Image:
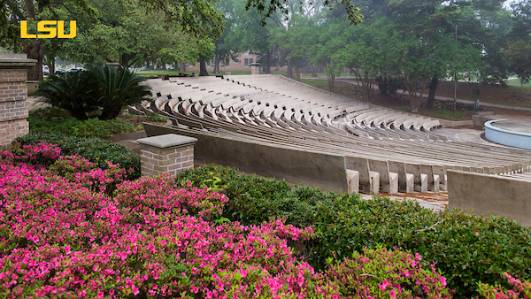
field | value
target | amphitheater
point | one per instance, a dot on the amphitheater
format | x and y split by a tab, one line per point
307	134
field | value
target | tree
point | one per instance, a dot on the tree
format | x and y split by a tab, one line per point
267	9
229	43
198	18
375	54
329	50
518	49
257	37
32	11
297	41
131	34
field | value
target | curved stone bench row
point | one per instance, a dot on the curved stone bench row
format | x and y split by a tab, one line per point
387	118
277	117
397	159
273	82
293	87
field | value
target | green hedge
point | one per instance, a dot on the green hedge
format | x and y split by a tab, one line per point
468	249
94	149
58	121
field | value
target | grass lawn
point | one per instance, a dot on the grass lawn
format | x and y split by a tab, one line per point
518	83
441	113
158	73
449	114
237	72
319	83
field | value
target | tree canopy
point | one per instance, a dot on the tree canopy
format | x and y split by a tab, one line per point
149	30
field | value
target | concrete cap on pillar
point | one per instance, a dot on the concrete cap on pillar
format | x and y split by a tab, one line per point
168	140
12	60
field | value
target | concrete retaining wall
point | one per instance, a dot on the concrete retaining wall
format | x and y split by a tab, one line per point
490	195
301	167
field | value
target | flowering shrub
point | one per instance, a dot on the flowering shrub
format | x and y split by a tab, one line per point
161	195
380	273
68	166
63	235
41	154
78	169
520	289
94	149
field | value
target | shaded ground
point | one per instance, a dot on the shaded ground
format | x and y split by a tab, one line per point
510	95
398	102
519	97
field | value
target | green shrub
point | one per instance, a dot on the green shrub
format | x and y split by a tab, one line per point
101	89
468	249
57	121
118	87
72	91
96	150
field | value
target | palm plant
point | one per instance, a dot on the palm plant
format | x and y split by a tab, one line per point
104	89
118	87
72	91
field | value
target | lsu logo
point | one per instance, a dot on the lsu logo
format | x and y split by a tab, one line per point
49	29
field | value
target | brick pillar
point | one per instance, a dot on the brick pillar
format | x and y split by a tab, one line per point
169	153
13	93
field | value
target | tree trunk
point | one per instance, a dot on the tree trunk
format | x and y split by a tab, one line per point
34	51
297	72
110	113
433	90
202	67
124	60
331	82
383	85
217	62
79	114
290	69
368	89
267	63
51	65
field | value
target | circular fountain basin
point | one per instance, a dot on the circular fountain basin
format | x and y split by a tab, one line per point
509	132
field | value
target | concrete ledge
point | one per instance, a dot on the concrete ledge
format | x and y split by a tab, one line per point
490	195
300	167
167	140
14	61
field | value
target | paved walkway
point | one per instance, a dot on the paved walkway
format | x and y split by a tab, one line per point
35	103
129	140
437	202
